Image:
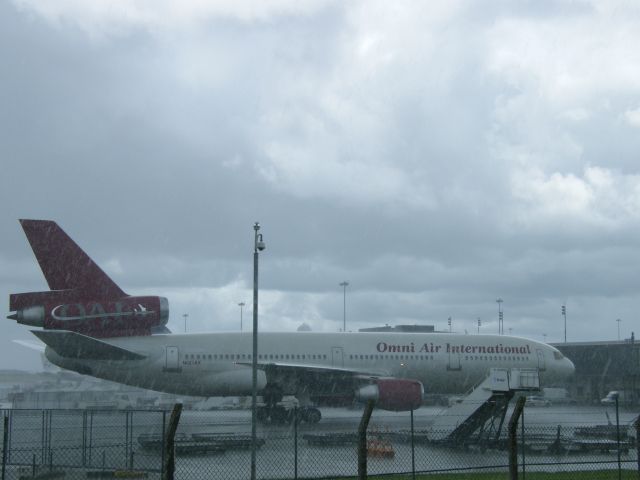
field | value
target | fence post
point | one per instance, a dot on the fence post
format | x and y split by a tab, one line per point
164	431
126	437
5	437
169	465
43	440
638	443
618	439
524	457
513	439
295	443
413	451
84	438
9	435
362	440
90	436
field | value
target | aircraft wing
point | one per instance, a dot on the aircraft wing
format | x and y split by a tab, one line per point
321	382
75	345
317	369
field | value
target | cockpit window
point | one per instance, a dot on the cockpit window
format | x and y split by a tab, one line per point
557	355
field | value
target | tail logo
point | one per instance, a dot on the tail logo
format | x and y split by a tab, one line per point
77	311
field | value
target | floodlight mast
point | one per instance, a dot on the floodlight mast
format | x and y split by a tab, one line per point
258	246
241	304
344	286
500	316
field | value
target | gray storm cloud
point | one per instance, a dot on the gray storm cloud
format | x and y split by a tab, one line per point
435	155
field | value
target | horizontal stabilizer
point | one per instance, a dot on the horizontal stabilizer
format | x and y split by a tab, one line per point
75	345
30	344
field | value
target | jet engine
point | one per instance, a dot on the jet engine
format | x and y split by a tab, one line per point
393	394
97	318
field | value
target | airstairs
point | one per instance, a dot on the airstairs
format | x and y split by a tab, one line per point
479	417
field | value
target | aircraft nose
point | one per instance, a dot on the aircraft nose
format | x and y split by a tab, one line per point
569	367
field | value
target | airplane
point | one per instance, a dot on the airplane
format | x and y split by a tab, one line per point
91	326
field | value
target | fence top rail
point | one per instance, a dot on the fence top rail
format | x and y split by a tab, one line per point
101	410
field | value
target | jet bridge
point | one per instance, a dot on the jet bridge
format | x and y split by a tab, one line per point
479	417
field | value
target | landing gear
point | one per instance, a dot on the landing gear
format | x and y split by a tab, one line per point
262	414
271	395
279	415
311	414
277	412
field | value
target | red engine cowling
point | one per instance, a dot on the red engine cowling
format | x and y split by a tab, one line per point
394	394
127	316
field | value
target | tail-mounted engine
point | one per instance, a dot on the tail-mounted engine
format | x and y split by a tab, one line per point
126	316
82	297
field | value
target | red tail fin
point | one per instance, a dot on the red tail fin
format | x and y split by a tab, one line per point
64	264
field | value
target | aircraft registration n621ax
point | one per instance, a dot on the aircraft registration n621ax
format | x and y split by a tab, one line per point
91	326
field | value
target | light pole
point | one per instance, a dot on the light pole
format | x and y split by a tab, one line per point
185	315
258	245
344	286
241	304
618	320
564	314
500	317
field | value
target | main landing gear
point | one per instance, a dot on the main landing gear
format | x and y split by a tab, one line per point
281	415
275	412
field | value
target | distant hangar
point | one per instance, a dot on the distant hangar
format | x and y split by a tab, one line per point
602	367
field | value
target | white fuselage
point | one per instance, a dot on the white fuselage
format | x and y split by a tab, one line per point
219	364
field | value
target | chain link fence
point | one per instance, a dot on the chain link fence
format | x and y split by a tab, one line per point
217	444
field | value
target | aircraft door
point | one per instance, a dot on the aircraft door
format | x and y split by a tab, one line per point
172	360
337	357
454	361
541	362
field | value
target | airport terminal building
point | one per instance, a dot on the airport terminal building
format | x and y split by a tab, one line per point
602	367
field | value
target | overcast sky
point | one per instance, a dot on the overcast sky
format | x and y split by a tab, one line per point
436	155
